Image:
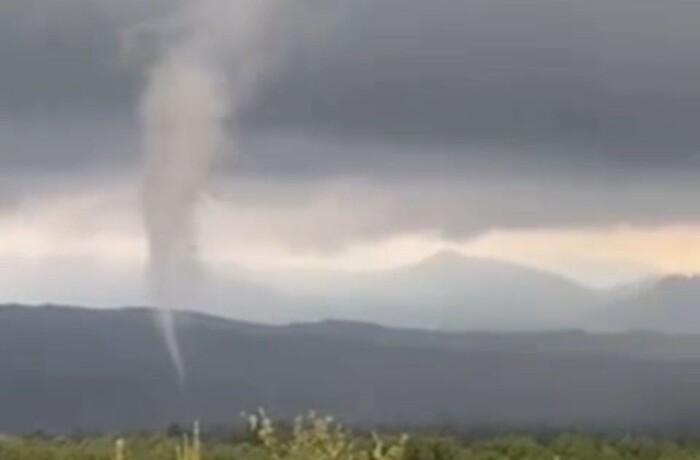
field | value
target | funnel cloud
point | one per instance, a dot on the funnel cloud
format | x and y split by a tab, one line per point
206	72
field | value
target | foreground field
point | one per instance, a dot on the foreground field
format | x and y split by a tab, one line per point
316	438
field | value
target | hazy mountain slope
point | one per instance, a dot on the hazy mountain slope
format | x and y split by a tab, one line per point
671	305
65	369
485	294
627	291
447	291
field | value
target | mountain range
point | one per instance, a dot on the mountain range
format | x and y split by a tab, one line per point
67	369
450	340
445	291
449	291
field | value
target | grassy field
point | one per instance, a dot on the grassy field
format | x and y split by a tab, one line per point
317	438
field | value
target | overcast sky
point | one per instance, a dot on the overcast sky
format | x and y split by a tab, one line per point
557	133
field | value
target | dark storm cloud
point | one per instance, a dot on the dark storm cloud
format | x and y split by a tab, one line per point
572	112
612	83
59	58
603	84
67	97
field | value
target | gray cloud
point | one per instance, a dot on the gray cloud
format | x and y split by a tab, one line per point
612	81
453	70
332	215
571	112
606	82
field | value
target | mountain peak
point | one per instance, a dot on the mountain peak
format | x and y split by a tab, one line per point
450	261
445	257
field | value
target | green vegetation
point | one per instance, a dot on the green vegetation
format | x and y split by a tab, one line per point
320	438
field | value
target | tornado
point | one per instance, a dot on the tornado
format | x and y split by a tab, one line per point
214	55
